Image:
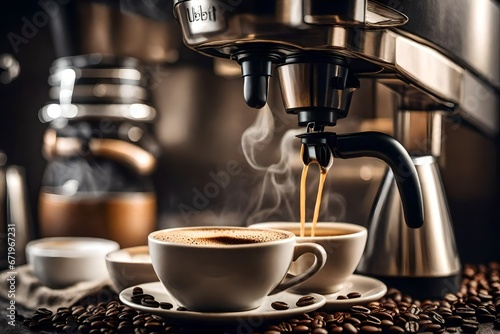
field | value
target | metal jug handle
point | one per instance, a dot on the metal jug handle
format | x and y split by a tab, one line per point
388	149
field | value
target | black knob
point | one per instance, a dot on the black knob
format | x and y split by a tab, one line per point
256	68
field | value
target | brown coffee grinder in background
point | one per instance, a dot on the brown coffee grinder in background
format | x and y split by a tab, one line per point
100	151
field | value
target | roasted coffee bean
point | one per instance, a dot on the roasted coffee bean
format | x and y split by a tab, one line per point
395	330
437	319
166	305
342	297
125	316
412	327
137	290
424	322
432	328
360	309
139	323
469	327
150	303
414	310
43	311
373	320
359	316
304	322
318	323
299	329
336	318
474	300
285	327
374	305
305	301
98	324
400	321
444	311
334	329
389	305
137	298
410	317
349	328
453	321
429	308
482	310
319	331
450	298
125	328
181	308
272	331
386	323
465	312
153	326
483	318
382	315
279	305
352	295
485	297
352	320
63	310
370	330
112	312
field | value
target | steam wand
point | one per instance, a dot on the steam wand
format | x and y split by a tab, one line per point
320	146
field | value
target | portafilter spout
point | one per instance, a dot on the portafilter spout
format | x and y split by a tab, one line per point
321	145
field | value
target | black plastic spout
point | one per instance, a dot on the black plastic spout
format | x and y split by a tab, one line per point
256	69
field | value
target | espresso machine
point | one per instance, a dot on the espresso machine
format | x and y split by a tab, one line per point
320	50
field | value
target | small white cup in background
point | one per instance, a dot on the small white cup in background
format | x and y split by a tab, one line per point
344	244
63	261
129	267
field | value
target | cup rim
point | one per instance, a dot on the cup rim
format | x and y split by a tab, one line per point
98	246
357	230
112	256
290	236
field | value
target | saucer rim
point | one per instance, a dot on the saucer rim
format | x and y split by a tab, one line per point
221	316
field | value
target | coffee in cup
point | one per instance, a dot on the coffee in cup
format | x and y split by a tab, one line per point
344	244
225	269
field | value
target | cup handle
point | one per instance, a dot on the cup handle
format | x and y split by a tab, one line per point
319	261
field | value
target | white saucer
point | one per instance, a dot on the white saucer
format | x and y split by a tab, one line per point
370	289
263	313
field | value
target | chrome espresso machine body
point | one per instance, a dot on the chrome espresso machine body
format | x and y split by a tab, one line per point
438	58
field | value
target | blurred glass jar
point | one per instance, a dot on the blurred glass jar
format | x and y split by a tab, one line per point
100	151
97	183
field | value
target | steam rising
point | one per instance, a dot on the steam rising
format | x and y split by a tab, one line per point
278	189
276	194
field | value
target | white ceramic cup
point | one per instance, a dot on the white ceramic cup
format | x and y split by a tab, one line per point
59	262
221	272
344	244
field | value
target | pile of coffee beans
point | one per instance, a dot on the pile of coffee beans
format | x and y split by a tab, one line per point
475	306
112	317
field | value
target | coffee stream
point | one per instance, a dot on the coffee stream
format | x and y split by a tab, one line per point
317	206
271	200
